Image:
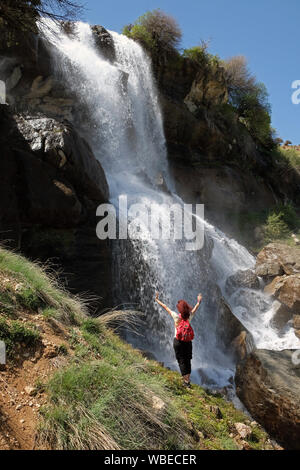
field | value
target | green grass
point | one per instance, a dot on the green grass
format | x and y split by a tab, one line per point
7	304
49	313
114	394
90	325
29	299
15	332
38	288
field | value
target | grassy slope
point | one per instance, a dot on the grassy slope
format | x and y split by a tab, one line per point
107	395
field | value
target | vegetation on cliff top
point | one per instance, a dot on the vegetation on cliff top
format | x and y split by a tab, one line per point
160	34
250	99
156	31
106	395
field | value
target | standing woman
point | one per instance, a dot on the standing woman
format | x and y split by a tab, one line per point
184	335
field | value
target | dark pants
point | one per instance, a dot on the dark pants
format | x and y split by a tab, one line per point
183	351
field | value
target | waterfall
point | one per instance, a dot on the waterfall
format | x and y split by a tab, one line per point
124	125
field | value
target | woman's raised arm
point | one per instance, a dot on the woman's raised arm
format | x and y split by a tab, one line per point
167	309
199	299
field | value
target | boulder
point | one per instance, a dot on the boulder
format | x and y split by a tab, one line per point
281	315
268	383
242	345
280	264
234	336
287	290
104	42
62	147
158	404
277	259
31	391
243	430
242	278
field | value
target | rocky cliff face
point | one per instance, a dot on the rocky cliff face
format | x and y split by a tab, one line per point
51	183
212	155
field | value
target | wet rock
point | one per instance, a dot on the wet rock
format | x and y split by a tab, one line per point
296	324
282	314
287	290
235	337
246	278
281	264
268	383
242	345
104	42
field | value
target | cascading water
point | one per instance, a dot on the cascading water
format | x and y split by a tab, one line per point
125	128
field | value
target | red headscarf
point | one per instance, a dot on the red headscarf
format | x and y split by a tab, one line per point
184	309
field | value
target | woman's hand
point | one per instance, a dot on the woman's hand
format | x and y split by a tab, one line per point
199	298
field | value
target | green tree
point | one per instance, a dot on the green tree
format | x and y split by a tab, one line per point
155	29
250	99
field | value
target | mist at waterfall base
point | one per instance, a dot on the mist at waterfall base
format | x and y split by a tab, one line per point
121	118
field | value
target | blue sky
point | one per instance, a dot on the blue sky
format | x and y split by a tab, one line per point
267	32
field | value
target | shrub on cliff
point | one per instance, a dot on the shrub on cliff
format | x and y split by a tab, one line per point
200	55
280	222
155	30
238	76
250	99
275	228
